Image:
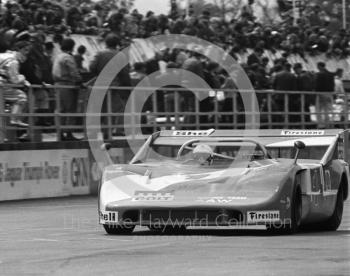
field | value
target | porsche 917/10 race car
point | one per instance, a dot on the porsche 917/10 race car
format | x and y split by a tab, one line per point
283	179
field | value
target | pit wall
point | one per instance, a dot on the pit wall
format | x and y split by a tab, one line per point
41	170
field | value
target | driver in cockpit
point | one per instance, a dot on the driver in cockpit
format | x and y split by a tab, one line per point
203	153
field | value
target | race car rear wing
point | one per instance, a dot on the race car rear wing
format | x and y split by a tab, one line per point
253	133
267	136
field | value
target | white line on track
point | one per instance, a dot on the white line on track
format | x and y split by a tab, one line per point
47	240
35	229
25	240
108	239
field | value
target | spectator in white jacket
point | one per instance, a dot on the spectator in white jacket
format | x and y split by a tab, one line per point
9	75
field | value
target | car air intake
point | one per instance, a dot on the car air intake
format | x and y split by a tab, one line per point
191	215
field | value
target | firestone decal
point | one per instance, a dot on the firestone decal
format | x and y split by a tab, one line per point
263	216
302	132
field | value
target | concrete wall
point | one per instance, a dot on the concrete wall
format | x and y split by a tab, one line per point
39	170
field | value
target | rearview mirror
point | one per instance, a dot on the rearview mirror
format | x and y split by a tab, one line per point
299	145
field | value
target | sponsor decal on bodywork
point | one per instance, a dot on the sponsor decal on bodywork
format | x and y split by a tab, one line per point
153	196
220	199
108	217
302	132
263	216
193	132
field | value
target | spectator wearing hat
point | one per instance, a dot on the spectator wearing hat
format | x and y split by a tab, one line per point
66	73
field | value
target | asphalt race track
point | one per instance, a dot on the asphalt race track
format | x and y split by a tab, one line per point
62	237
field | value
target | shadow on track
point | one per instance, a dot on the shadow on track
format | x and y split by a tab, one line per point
236	232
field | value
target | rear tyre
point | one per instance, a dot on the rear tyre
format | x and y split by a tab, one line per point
296	213
118	229
334	221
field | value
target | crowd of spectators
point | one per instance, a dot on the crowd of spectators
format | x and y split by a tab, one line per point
311	34
29	20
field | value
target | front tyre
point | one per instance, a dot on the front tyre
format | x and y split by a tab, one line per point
334	221
118	229
295	221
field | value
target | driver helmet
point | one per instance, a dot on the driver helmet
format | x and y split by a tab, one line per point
203	153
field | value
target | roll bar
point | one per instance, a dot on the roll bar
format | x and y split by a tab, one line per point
239	140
